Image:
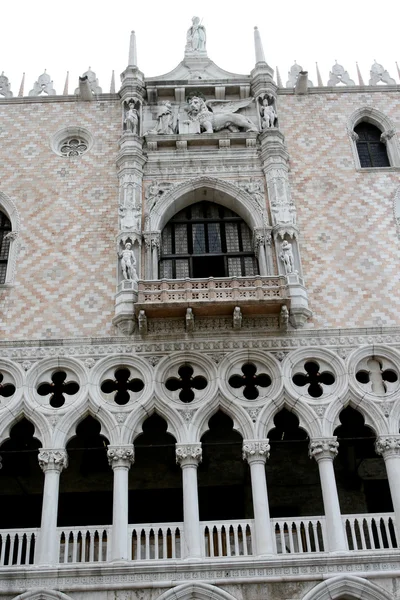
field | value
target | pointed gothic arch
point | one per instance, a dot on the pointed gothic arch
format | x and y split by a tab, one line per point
195	591
347	586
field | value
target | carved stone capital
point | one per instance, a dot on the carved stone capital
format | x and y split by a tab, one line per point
53	459
11	235
255	450
320	448
388	445
188	454
387	135
121	456
354	136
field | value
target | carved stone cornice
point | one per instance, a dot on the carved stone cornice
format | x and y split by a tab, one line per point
188	454
320	448
53	459
121	456
255	450
388	445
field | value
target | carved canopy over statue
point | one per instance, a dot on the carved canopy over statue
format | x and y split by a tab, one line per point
215	115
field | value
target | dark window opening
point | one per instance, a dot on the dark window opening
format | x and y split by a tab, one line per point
371	151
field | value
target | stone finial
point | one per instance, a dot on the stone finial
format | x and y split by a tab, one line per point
21	87
319	78
360	79
92	81
112	85
65	92
293	76
258	47
339	75
378	73
5	90
43	86
278	78
132	59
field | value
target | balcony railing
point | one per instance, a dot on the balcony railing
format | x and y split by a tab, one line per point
266	293
235	538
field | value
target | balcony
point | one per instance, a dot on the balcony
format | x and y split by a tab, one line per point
221	539
212	296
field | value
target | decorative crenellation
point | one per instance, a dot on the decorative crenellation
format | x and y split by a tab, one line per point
388	445
121	456
255	450
323	448
53	459
188	454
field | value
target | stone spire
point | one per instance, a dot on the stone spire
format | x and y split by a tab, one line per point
360	79
398	70
65	93
278	78
319	78
21	87
112	85
260	57
132	61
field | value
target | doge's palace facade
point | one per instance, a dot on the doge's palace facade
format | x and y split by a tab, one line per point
199	293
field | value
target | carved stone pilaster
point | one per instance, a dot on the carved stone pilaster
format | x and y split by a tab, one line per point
121	456
53	459
188	454
255	450
388	445
320	448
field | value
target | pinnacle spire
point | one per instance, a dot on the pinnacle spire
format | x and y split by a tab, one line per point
319	78
360	79
65	93
112	85
21	87
398	70
278	78
258	46
132	61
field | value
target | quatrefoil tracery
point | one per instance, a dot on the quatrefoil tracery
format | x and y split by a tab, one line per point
313	379
122	385
57	388
377	376
186	383
250	381
6	389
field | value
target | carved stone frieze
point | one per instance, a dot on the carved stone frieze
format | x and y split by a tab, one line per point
388	445
323	448
187	414
188	454
255	450
121	456
53	459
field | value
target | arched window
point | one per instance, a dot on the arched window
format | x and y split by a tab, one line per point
206	240
371	151
5	228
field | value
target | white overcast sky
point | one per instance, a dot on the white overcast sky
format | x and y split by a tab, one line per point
72	35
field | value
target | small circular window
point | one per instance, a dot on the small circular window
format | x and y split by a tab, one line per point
71	141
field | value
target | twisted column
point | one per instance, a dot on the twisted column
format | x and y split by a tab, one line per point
324	450
52	461
256	453
388	446
120	458
189	456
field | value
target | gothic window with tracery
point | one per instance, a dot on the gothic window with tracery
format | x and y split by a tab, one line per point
371	151
206	240
5	228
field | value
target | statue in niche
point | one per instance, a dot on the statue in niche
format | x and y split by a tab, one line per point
165	120
128	263
196	36
219	114
286	256
268	113
132	118
130	213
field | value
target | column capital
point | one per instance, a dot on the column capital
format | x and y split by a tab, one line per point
188	454
388	445
121	456
255	450
320	448
53	459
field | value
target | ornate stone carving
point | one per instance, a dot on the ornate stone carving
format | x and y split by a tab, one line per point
142	322
154	192
5	90
216	115
253	412
378	73
283	209
43	86
284	318
387	135
388	445
93	82
293	76
187	414
52	458
339	75
130	203
189	320
255	450
268	112
165	120
323	448
237	318
131	120
286	256
120	456
128	262
188	454
354	136
196	37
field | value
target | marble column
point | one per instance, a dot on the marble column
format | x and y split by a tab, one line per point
324	451
389	447
256	453
120	459
189	456
52	462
